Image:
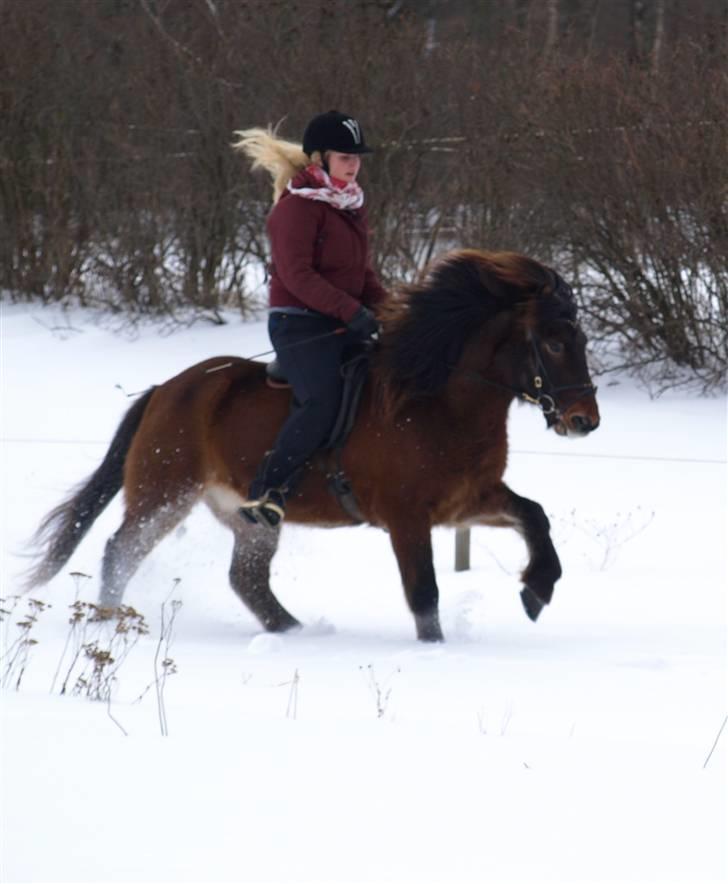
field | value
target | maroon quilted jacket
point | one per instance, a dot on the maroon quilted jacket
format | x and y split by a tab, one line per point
320	257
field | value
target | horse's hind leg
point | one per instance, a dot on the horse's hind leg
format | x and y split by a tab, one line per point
140	532
254	549
543	568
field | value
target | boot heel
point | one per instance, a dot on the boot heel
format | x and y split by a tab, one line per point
271	514
249	514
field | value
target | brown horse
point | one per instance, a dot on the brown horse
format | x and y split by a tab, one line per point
428	447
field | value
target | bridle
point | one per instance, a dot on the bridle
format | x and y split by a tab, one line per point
546	390
546	394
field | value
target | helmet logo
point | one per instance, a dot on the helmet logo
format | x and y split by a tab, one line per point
353	127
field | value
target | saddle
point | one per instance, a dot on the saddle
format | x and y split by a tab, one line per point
354	372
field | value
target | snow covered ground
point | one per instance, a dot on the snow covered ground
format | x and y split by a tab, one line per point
572	750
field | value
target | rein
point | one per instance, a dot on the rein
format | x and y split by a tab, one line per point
546	391
336	331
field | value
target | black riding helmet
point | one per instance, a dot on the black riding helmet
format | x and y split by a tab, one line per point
334	131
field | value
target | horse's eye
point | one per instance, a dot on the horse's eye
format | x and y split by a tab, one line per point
555	347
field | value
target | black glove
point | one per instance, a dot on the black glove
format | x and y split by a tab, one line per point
364	324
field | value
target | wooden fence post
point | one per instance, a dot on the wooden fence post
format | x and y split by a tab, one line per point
462	549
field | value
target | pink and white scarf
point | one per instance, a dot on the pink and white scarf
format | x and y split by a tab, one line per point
350	196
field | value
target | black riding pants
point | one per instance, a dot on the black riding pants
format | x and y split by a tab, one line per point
311	358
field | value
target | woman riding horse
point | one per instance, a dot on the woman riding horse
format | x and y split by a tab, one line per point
321	283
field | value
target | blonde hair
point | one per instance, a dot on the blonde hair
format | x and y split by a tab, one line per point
280	158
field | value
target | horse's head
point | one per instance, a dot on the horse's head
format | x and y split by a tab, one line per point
501	320
553	371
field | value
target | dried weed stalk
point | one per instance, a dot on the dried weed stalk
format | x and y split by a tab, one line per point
100	640
16	653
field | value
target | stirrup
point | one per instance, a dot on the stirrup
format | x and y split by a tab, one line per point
264	511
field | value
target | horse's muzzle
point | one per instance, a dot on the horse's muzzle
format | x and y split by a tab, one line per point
577	422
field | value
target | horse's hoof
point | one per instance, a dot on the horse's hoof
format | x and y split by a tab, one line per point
532	604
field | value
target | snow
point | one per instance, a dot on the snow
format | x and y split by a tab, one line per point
571	750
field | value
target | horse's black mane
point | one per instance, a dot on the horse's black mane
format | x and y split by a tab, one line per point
429	323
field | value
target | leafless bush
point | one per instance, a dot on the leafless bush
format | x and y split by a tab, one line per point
594	139
641	194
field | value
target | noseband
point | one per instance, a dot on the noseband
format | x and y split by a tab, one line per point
546	391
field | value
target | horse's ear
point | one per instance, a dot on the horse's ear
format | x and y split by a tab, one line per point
557	286
565	297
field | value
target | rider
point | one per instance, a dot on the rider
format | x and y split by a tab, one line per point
321	292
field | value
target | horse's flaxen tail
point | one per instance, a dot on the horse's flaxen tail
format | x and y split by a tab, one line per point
65	527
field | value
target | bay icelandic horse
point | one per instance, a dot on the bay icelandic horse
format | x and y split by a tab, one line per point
428	446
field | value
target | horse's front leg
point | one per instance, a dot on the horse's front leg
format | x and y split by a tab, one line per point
413	548
543	568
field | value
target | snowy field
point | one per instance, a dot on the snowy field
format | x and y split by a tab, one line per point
571	750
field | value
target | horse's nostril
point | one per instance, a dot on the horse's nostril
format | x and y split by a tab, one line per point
581	423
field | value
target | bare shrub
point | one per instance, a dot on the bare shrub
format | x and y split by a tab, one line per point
589	135
640	188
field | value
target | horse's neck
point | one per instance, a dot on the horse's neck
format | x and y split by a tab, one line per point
476	404
474	415
481	387
476	392
463	424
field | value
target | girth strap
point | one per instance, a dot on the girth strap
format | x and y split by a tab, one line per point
340	486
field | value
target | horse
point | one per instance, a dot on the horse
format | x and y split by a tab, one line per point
428	446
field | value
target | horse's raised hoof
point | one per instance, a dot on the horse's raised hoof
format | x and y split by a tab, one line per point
428	628
532	604
292	626
282	624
